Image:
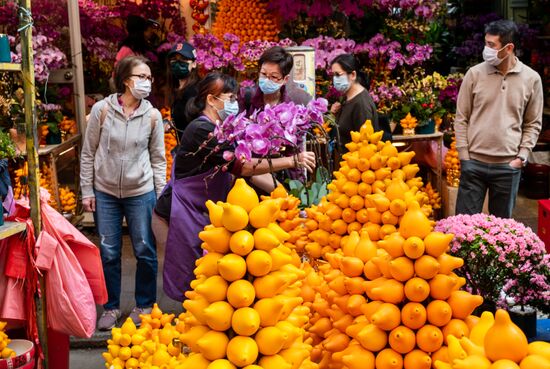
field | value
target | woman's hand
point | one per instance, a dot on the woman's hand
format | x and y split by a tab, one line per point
89	204
335	108
306	159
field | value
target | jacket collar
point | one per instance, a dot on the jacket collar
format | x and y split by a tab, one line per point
143	107
516	69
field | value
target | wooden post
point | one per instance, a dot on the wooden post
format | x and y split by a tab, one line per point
27	68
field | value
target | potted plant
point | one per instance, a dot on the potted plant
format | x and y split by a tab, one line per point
504	261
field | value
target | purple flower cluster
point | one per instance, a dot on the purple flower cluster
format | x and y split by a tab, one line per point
291	9
420	8
252	50
328	48
380	47
213	53
266	132
503	258
384	92
46	57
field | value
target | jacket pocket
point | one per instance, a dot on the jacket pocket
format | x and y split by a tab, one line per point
136	173
105	171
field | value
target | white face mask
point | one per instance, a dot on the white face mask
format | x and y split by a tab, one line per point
491	56
141	89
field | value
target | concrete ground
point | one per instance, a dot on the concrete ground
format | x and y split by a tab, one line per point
86	354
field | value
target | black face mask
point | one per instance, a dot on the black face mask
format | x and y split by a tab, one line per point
180	70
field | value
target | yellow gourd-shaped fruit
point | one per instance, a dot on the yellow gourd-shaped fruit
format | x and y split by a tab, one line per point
398	207
414	222
215	212
191	337
269	310
196	307
439	313
351	266
279	258
242	351
402	269
274	362
417	289
359	359
413	315
213	345
417	359
295	356
271	284
264	213
504	364
455	350
539	348
402	339
213	289
457	328
470	362
241	293
208	264
289	304
365	249
259	263
280	233
471	348
405	157
241	243
234	218
390	291
216	239
478	332
534	361
463	303
413	247
243	195
372	338
232	267
504	340
270	340
389	359
441	286
161	357
336	342
387	317
448	263
429	338
245	321
265	239
426	267
221	364
396	190
128	327
218	315
393	245
437	243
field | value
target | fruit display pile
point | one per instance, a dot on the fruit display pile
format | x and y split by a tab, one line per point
248	19
47	183
434	198
68	125
452	165
68	199
5	351
362	282
170	143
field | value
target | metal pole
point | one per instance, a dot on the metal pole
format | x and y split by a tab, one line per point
27	68
77	64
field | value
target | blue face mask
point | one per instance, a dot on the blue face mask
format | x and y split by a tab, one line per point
229	108
341	83
268	86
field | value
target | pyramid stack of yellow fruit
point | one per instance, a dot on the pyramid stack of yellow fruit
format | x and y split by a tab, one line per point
244	309
434	198
151	346
371	190
495	343
170	143
390	304
248	19
68	199
5	351
452	165
46	183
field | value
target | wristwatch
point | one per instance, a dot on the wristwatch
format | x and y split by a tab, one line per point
523	160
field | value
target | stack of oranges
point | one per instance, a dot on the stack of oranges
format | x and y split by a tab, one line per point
408	123
248	19
170	143
46	183
434	198
67	197
452	165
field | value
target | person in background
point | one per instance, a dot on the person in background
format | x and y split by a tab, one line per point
141	33
180	213
183	78
122	171
274	85
498	120
358	105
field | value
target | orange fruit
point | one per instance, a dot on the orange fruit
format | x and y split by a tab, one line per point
402	339
429	338
389	359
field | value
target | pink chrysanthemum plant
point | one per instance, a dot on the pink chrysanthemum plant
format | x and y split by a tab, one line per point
504	261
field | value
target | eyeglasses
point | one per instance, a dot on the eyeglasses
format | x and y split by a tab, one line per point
143	77
231	99
271	77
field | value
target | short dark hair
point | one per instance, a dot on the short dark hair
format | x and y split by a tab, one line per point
214	83
279	56
349	63
506	30
124	68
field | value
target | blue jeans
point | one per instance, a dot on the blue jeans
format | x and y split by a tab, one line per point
477	177
138	211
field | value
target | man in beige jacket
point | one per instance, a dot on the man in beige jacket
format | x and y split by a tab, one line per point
498	120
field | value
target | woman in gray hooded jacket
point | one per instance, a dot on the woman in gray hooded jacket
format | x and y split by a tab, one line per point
123	170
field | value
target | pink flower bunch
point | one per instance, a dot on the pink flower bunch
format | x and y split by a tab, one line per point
503	259
252	50
291	9
420	8
46	57
267	132
328	48
213	53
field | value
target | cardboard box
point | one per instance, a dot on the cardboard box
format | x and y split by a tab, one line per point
544	223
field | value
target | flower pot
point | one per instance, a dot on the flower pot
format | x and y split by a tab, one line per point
5	54
526	320
426	128
408	131
53	138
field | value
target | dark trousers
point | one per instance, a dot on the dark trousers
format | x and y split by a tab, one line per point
477	177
